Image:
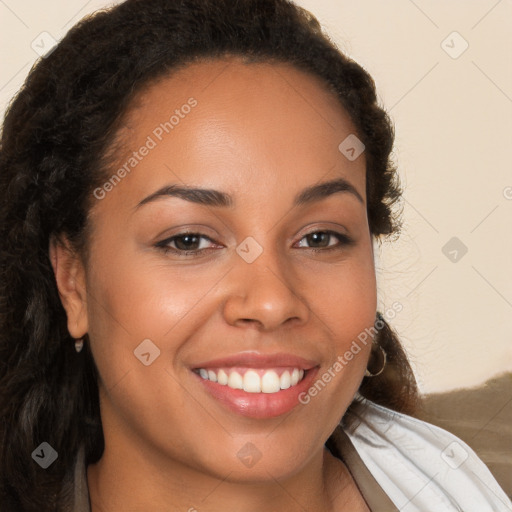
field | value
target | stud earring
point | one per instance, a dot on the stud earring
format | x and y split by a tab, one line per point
79	344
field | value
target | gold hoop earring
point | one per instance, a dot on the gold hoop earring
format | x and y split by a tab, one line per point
367	373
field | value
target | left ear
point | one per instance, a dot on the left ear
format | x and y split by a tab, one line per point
70	278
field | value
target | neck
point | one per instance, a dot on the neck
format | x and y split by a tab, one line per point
130	480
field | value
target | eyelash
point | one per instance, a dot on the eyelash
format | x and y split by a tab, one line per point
343	241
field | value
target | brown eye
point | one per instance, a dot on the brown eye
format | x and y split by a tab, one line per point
184	244
320	240
320	237
187	242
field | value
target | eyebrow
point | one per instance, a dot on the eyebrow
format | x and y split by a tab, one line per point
211	197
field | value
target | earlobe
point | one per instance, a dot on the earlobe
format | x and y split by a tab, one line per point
70	279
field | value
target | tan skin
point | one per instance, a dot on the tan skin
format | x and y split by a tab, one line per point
262	133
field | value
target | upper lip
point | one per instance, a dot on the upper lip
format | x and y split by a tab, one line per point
259	360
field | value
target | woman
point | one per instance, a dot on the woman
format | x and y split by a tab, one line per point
191	193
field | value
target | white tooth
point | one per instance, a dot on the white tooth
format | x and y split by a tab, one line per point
295	376
285	380
212	375
301	374
235	381
252	382
203	373
222	377
270	382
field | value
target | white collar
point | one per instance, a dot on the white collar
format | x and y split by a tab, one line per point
421	467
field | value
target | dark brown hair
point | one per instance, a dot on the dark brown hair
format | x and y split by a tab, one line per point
53	155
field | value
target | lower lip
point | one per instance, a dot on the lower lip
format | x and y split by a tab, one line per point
259	405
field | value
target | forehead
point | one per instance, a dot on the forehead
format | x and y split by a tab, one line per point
232	76
235	126
229	88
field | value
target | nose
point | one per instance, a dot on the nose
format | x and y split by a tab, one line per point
264	294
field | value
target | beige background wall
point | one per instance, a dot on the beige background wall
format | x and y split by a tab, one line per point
453	115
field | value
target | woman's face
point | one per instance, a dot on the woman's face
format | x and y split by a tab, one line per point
261	295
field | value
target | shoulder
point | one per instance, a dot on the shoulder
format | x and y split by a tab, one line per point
421	466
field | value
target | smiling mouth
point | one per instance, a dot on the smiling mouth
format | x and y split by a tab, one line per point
254	380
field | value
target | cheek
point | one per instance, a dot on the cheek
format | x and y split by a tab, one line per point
140	294
344	295
344	298
132	299
352	306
